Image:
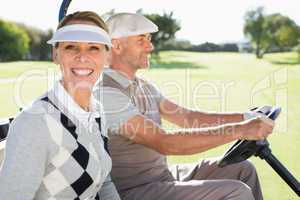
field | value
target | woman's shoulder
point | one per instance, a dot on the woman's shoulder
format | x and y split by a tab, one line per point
31	118
32	115
36	109
28	126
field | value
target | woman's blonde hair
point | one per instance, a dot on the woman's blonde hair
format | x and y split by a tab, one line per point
84	16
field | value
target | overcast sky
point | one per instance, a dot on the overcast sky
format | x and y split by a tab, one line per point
213	21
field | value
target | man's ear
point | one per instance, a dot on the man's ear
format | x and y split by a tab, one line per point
116	46
54	55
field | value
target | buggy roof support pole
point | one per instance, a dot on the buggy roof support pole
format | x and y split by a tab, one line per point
63	9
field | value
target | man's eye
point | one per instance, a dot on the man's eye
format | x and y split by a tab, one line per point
94	48
140	41
70	47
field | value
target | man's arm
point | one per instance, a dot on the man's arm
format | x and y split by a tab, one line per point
189	141
124	118
188	118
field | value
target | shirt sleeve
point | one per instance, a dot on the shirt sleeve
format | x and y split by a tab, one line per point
108	190
118	108
25	158
157	95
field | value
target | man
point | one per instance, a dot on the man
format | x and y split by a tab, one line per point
139	145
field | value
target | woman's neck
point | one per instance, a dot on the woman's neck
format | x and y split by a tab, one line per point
81	95
82	98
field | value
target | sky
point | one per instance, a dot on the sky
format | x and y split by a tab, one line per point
201	20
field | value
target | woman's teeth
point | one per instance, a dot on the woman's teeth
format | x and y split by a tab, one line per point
82	72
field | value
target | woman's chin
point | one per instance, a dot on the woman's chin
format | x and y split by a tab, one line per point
80	85
85	84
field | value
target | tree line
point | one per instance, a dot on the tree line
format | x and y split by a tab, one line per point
266	33
21	42
271	33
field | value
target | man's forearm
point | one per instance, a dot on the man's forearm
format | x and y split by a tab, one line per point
191	141
196	119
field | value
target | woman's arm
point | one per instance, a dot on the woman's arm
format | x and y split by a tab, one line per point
25	158
108	190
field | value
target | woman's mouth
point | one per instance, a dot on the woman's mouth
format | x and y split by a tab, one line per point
82	72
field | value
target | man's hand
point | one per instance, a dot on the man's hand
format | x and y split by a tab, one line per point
256	129
256	112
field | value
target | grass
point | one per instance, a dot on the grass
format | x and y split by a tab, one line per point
211	82
14	69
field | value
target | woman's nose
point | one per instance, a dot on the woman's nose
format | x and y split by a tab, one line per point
82	56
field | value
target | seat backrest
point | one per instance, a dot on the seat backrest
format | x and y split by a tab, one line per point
2	147
4	125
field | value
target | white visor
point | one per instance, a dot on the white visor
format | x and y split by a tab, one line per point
81	33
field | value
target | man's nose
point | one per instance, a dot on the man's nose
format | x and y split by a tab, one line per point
149	46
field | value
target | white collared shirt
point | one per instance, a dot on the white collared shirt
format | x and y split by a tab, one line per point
86	118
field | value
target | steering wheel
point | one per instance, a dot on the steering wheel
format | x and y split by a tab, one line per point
243	149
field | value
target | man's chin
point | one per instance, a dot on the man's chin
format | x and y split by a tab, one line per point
145	66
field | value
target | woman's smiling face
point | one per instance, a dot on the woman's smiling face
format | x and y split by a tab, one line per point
81	63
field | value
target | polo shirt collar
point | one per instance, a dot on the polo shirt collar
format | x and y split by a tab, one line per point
118	77
68	102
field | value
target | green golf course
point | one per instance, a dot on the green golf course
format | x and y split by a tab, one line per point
221	82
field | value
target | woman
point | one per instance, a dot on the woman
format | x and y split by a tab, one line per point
54	149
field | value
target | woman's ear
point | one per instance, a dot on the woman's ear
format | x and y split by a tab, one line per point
54	55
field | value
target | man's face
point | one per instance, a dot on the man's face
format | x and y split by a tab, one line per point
136	51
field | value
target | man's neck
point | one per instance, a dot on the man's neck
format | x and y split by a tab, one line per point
126	71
